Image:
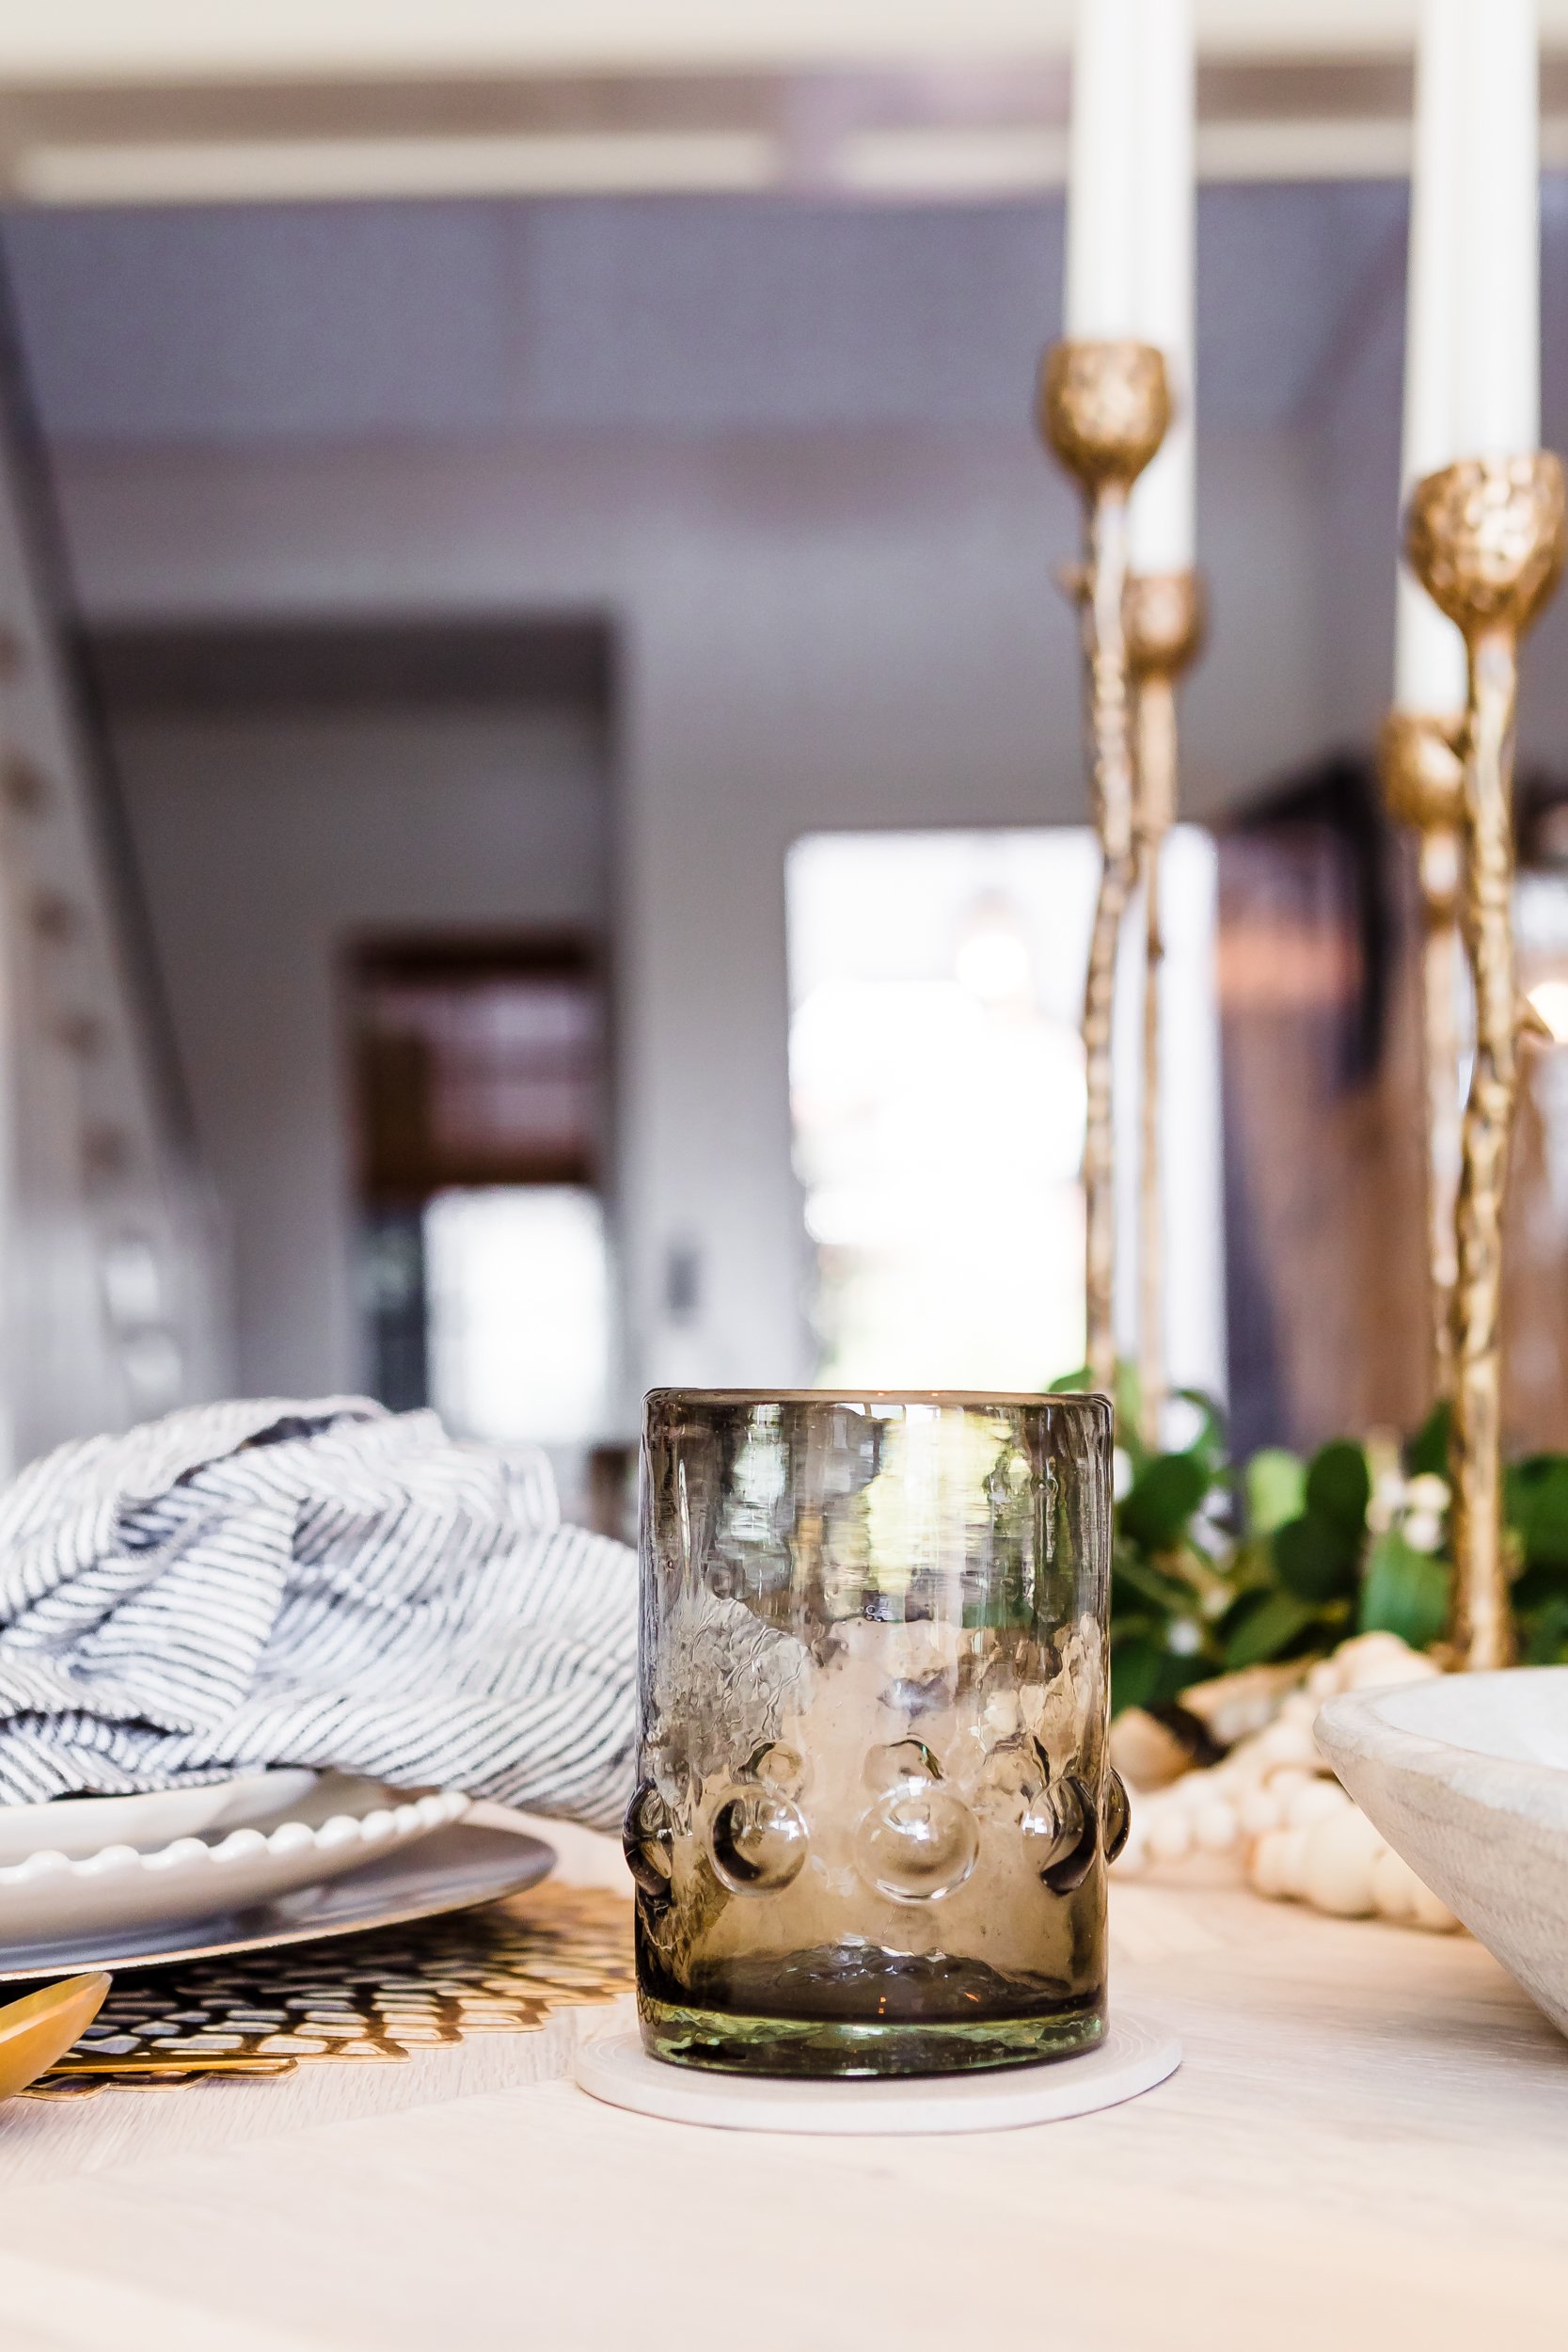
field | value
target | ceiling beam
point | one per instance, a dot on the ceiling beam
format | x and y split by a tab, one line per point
179	102
99	43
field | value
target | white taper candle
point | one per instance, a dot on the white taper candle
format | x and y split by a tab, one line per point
1428	652
1162	523
1102	274
1498	348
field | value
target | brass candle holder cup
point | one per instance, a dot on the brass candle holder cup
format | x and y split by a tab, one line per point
1487	538
874	1808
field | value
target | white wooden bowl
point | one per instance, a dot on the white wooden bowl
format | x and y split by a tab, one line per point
1467	1778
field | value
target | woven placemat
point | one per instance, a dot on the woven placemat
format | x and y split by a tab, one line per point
364	1999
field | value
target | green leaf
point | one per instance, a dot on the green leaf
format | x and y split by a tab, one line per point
1428	1452
1157	1505
1263	1626
1143	1673
1339	1486
1251	1564
1209	1444
1276	1488
1406	1592
1071	1383
1536	1507
1537	1588
1313	1559
1546	1633
1138	1586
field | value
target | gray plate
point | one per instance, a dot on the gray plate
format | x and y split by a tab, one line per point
450	1871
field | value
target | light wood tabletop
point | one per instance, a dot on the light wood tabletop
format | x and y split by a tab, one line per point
1367	2144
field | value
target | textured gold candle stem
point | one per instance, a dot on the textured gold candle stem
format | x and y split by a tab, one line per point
1486	539
1104	410
1111	772
1165	625
1483	1630
1439	886
1423	779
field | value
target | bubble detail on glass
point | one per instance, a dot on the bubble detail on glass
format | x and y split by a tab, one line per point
919	1841
1063	1831
778	1766
1118	1813
1012	1778
757	1840
648	1842
900	1761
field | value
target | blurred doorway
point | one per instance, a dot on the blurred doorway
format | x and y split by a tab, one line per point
479	1082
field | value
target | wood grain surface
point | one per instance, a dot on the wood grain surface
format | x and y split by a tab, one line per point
1367	2144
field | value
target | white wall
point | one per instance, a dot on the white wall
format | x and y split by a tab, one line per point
817	629
109	1272
267	844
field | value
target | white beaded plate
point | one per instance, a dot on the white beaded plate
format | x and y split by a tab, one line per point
51	1897
79	1826
1136	2054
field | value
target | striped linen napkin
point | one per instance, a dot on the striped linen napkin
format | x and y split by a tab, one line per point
315	1583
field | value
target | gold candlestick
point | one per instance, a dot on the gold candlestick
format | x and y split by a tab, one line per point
1423	781
1486	539
1103	408
1164	621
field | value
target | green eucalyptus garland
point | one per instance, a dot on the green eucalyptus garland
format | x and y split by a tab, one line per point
1219	1565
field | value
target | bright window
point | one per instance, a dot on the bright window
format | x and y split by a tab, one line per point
937	1088
517	1301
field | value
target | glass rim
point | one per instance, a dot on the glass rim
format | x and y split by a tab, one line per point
828	1397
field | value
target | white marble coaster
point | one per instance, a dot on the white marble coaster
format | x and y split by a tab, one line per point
1136	2054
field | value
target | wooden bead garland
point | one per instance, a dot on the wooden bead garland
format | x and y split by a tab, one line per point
1275	1804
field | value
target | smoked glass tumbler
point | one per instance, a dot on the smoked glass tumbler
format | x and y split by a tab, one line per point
874	1808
